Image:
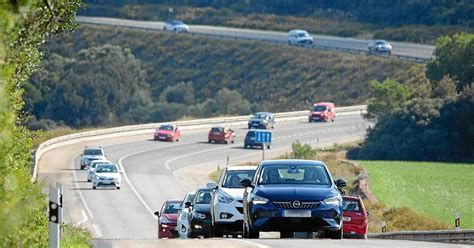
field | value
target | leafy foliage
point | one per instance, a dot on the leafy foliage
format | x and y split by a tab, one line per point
199	77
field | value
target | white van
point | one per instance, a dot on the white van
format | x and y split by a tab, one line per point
299	37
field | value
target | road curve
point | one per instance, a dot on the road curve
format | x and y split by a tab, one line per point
156	171
403	49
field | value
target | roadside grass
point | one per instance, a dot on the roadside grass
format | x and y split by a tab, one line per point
437	190
75	237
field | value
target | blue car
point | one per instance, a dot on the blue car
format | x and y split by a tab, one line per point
290	196
250	141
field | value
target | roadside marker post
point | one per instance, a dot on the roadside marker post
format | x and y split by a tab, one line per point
54	216
384	226
457	222
60	210
263	137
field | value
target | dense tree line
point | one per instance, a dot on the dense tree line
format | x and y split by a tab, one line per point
145	77
428	12
434	121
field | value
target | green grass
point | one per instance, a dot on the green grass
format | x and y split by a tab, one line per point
75	237
438	190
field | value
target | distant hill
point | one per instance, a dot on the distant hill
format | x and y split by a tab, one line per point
184	74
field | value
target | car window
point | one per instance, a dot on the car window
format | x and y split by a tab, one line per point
94	164
259	116
203	197
295	174
172	208
168	128
320	108
302	34
217	130
233	177
93	152
107	168
177	22
351	205
251	134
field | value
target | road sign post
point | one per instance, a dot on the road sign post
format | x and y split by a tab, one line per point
265	138
54	206
60	209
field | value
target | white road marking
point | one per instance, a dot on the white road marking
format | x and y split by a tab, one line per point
167	163
80	191
84	219
97	231
253	243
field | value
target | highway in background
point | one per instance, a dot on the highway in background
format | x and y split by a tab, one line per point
402	50
156	171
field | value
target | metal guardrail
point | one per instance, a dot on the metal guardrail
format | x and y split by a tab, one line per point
189	124
255	38
451	236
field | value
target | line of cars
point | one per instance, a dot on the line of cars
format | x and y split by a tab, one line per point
285	196
100	171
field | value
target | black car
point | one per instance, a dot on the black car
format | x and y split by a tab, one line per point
250	141
262	120
200	214
290	196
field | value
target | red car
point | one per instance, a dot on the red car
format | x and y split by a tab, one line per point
354	217
221	134
168	132
322	111
167	219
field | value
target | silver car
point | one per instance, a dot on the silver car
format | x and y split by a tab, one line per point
380	46
176	26
106	175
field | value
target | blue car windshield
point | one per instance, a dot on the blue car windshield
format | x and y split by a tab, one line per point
295	174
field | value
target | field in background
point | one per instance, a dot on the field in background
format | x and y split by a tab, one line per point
438	190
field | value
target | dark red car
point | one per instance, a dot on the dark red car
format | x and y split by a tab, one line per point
168	132
221	134
322	111
167	219
354	217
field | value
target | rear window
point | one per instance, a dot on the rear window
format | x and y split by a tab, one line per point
217	130
351	205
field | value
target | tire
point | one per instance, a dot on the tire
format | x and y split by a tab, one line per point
249	233
269	147
118	188
286	235
232	142
94	187
334	234
88	180
216	233
310	120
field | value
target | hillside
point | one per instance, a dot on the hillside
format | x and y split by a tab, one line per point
184	75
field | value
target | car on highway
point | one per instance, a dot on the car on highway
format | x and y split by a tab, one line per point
90	154
176	26
183	214
290	196
322	111
261	120
226	203
354	217
251	141
91	170
380	46
199	216
167	132
296	37
107	175
221	134
167	219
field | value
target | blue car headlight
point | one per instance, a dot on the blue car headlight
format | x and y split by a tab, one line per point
259	200
335	200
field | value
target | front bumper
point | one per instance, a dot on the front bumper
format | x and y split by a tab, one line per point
233	211
168	231
163	137
317	117
106	182
257	125
200	226
268	217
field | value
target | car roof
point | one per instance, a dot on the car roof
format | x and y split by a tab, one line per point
322	103
232	168
174	200
298	31
381	41
266	113
291	161
108	164
168	124
101	160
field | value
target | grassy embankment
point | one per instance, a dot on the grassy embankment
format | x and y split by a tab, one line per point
438	190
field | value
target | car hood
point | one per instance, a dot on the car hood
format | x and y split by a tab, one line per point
172	217
164	132
108	175
255	120
236	193
202	208
295	192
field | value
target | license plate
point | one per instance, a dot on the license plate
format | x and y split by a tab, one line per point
162	137
255	124
344	218
297	213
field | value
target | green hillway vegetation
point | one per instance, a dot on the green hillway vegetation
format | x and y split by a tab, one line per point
406	20
438	190
398	218
24	25
142	77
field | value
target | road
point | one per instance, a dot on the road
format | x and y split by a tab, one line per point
156	171
407	50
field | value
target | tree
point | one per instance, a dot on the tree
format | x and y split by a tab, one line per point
229	102
455	58
387	98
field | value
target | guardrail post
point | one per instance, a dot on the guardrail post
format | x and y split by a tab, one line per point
457	222
384	226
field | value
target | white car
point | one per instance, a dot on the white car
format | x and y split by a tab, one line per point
106	175
176	26
380	46
183	222
90	154
91	170
297	37
226	203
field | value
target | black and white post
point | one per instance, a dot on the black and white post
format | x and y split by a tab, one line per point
55	213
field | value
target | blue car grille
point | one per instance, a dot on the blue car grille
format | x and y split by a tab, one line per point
302	205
